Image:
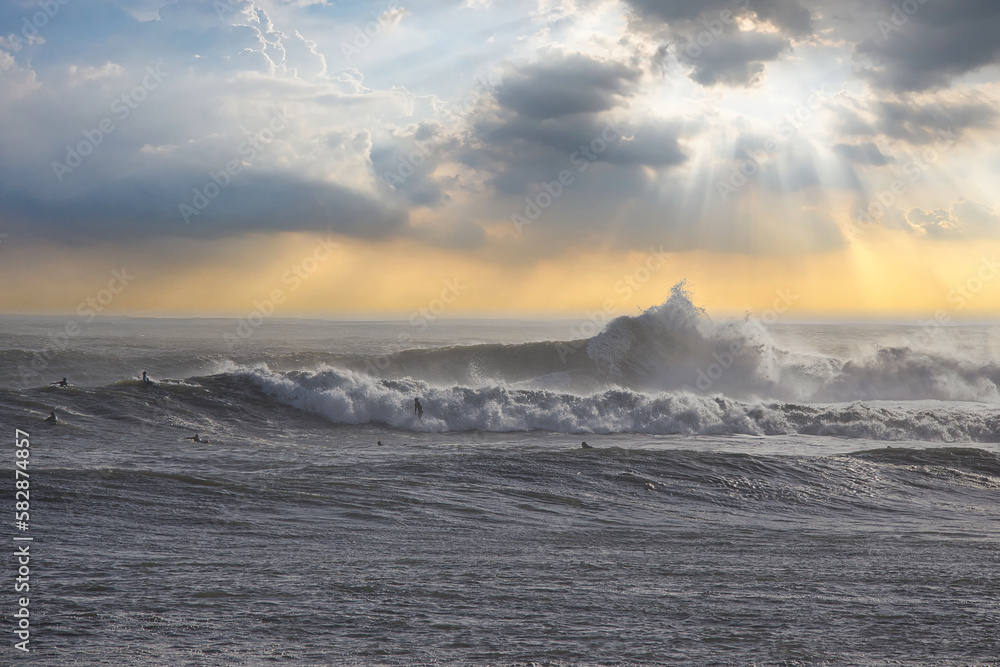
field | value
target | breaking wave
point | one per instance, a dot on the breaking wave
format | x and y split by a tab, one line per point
348	397
676	346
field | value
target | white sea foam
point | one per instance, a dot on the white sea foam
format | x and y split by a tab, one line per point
670	369
676	346
348	397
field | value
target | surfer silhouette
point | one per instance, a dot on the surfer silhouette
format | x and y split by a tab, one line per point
418	409
145	378
60	383
52	419
197	438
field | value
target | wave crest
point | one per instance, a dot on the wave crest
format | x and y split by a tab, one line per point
348	397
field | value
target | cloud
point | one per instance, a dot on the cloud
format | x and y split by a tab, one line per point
965	219
149	206
562	85
736	59
866	153
405	161
931	45
937	222
393	144
107	150
789	15
924	124
712	39
917	120
533	127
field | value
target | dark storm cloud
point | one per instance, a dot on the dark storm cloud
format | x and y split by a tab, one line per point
736	59
566	85
520	151
545	118
923	124
212	89
789	15
405	163
149	205
916	123
923	44
706	37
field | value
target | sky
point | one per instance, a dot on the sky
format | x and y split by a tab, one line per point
812	158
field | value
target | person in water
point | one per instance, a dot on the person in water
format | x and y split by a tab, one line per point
145	378
60	383
418	409
52	419
197	438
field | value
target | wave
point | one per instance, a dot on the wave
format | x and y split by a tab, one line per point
671	369
350	397
676	346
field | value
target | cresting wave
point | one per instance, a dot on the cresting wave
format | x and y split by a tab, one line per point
676	346
349	397
669	370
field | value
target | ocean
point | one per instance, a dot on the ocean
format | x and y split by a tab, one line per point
750	493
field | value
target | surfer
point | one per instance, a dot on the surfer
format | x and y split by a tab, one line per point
145	378
52	419
197	438
418	409
379	443
60	383
584	445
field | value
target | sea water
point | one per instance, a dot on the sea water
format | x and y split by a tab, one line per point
752	494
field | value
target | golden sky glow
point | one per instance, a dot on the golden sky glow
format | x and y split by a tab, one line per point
769	148
888	274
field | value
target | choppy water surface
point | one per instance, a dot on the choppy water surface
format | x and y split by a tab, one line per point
832	498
